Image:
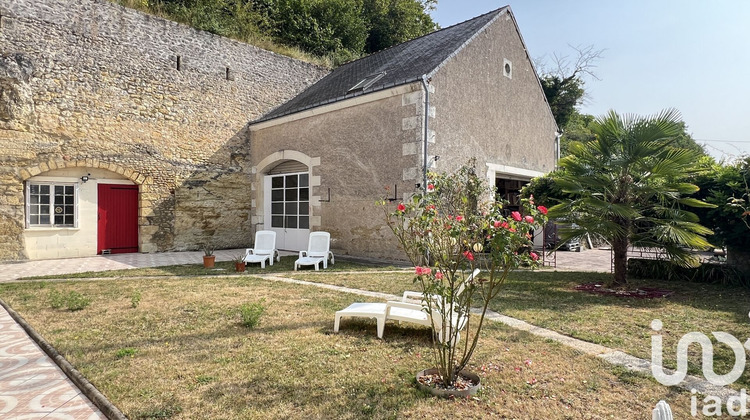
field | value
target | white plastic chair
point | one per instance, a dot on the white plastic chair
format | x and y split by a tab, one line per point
318	251
264	250
662	411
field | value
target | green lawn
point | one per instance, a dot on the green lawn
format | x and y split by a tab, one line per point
175	348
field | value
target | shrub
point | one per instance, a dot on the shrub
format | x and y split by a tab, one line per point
76	301
705	273
448	231
135	299
126	352
73	300
251	313
56	299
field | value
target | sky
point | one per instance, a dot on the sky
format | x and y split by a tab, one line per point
685	54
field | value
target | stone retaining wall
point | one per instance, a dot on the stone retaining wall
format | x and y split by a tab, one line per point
90	84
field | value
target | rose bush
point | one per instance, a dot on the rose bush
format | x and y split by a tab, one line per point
449	231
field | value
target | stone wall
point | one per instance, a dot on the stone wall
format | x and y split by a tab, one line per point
89	84
482	112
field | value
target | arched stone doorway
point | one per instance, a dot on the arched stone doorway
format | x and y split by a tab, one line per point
285	202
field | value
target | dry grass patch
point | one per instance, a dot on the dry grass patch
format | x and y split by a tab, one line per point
183	353
548	299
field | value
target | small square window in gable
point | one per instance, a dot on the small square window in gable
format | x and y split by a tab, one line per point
507	68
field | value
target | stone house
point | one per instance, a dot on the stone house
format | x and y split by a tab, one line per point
124	132
467	91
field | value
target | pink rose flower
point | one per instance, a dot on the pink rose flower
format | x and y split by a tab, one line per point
497	223
422	271
439	275
516	216
430	187
401	207
542	209
504	225
529	219
459	218
534	256
469	256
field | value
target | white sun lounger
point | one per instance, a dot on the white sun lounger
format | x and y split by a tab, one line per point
363	310
264	250
318	251
397	311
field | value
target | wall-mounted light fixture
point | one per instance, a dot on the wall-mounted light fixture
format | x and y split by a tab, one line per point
85	178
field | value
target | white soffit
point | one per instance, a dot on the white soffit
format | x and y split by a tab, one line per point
512	171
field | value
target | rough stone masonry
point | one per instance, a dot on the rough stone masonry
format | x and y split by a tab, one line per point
90	84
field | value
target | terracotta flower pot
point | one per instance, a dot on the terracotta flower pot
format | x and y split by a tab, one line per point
209	261
446	393
239	267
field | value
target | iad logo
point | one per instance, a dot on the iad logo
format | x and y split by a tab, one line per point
708	357
736	406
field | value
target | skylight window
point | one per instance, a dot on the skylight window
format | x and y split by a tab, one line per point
367	82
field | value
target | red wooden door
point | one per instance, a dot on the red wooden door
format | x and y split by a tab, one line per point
118	218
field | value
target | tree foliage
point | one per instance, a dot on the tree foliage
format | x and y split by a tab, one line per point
578	129
628	186
318	26
395	21
338	29
563	83
563	95
727	187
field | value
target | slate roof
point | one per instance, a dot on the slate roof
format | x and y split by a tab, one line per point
403	63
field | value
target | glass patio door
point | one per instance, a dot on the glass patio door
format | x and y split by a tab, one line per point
287	209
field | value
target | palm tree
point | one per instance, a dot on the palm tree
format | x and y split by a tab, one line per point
628	187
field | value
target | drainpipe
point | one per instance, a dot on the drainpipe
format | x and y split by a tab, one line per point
425	84
558	134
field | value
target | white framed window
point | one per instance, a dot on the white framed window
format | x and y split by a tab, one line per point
50	204
290	201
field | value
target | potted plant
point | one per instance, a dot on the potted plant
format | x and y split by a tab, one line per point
239	263
209	259
447	231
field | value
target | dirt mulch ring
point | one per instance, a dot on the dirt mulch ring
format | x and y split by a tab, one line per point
639	293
